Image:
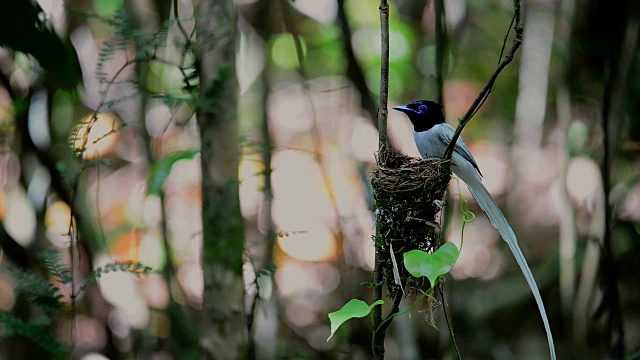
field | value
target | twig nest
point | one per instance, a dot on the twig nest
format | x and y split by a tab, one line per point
408	193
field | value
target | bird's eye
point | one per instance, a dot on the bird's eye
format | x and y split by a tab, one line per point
422	108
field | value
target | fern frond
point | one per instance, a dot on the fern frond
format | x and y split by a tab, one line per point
68	172
36	289
133	267
50	259
36	330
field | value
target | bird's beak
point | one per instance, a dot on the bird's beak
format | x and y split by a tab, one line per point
404	109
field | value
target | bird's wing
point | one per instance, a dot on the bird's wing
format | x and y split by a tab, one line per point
446	134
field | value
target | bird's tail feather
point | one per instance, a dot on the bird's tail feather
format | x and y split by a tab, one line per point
501	224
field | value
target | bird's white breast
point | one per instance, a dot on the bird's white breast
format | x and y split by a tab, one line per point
429	143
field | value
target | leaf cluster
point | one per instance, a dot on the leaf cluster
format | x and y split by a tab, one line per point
36	331
132	267
419	264
44	292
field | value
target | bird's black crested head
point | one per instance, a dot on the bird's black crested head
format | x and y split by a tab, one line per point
424	114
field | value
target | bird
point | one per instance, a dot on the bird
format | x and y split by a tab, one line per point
432	136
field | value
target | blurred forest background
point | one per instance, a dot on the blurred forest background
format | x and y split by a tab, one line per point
101	180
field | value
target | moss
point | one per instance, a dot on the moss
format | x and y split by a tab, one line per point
223	226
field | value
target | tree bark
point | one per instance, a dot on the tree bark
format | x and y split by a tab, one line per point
223	331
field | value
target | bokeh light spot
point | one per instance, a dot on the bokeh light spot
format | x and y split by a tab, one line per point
312	245
20	217
283	51
95	135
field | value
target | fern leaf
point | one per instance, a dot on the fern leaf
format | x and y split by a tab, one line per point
133	267
50	259
36	289
37	331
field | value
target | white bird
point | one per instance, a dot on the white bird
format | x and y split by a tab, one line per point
432	135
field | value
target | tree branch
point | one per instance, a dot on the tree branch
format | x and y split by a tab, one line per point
488	86
316	135
378	349
384	74
354	71
441	48
394	310
608	272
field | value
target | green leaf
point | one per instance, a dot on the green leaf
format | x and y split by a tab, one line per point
107	7
420	263
162	169
353	309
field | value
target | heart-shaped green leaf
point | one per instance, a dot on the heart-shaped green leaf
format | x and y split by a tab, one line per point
420	263
353	309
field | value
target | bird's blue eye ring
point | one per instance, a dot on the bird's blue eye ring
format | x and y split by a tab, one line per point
422	108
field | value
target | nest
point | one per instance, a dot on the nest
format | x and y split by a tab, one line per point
408	194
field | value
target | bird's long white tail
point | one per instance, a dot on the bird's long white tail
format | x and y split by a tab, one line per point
499	222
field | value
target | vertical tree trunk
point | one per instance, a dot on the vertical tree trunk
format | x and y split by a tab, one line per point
223	331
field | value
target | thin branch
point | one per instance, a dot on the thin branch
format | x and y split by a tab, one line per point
394	311
251	315
506	37
88	124
178	22
384	75
152	156
375	346
354	71
270	235
609	281
441	48
448	319
488	86
383	143
441	56
316	140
